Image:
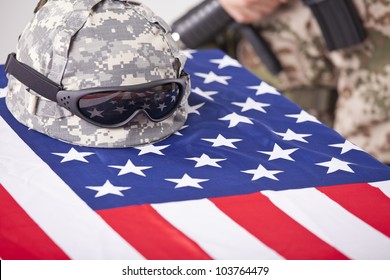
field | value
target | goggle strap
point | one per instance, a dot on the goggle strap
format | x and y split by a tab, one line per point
31	78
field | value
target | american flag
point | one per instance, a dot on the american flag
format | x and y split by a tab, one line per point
250	176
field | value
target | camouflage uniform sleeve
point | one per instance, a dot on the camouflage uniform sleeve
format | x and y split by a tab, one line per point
297	41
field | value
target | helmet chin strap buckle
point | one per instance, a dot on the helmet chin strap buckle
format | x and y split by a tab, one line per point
32	103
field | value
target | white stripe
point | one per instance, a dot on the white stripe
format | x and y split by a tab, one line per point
79	231
384	186
214	231
332	223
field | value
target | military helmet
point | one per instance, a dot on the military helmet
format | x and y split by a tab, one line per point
81	44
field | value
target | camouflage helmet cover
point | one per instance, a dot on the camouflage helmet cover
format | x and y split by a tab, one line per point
95	43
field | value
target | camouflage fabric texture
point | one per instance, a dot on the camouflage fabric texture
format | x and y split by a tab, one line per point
95	43
360	74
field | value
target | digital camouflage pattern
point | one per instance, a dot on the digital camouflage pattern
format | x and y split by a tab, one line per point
95	43
360	74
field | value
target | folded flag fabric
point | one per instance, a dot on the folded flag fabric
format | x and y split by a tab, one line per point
250	176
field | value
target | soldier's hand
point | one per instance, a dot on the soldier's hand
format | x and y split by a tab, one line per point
247	11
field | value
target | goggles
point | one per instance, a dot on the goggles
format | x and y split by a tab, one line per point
106	106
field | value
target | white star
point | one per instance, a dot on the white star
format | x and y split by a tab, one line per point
95	113
225	62
130	168
291	135
222	141
151	149
3	92
346	147
212	77
205	94
303	116
335	164
146	106
235	119
188	53
250	104
162	106
278	152
120	109
73	155
261	172
205	160
264	88
108	188
194	109
187	181
178	133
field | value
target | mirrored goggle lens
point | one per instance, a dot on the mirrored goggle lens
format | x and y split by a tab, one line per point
111	108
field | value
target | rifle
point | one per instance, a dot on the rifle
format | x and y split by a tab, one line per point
339	22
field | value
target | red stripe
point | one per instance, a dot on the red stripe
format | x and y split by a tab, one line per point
367	203
259	216
20	237
151	234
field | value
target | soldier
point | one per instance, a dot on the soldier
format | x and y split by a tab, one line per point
361	74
